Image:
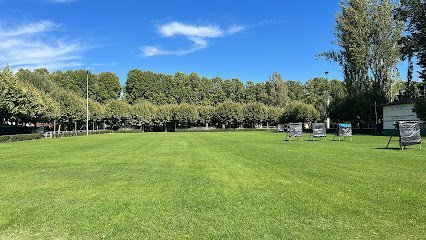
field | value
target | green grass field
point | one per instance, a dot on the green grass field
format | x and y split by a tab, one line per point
235	185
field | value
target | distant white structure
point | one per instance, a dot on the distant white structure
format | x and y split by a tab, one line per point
402	110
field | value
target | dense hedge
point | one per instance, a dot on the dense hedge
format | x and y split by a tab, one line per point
225	130
72	134
20	137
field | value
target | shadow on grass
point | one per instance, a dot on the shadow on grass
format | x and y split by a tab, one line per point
399	149
389	148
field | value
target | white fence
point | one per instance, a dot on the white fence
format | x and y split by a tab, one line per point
53	133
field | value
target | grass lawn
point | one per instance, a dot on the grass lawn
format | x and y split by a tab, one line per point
236	185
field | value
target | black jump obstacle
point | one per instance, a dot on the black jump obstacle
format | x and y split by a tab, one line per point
343	130
408	132
319	130
295	130
280	128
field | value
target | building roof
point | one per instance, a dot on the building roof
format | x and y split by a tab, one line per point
400	102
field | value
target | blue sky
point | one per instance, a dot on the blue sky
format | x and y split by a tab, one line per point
232	39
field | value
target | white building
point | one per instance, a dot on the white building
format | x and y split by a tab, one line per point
402	110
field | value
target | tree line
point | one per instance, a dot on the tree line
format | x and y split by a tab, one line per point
155	99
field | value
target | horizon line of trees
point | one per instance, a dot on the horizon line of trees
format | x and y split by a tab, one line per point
42	97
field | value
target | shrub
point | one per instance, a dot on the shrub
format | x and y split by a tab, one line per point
420	109
20	137
72	134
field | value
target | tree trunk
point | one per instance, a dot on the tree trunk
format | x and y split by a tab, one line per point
207	125
75	127
165	127
223	125
54	126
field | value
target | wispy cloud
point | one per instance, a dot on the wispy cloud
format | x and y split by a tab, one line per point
198	35
36	44
30	28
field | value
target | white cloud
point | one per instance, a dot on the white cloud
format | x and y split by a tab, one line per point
35	44
236	29
176	28
30	28
198	35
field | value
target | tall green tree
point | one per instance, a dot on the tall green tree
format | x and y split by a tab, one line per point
384	50
301	112
353	31
143	113
218	94
255	113
140	85
318	94
118	113
186	114
164	114
72	107
229	113
22	101
39	78
206	114
413	13
277	90
97	113
106	86
274	115
367	34
296	90
6	103
181	88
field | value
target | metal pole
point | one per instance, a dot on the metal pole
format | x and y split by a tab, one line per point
375	111
87	103
327	103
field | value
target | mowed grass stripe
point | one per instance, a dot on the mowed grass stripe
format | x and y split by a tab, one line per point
210	185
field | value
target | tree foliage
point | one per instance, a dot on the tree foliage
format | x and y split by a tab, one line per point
413	13
72	107
205	114
420	108
118	112
229	113
367	34
155	99
143	112
186	113
300	112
